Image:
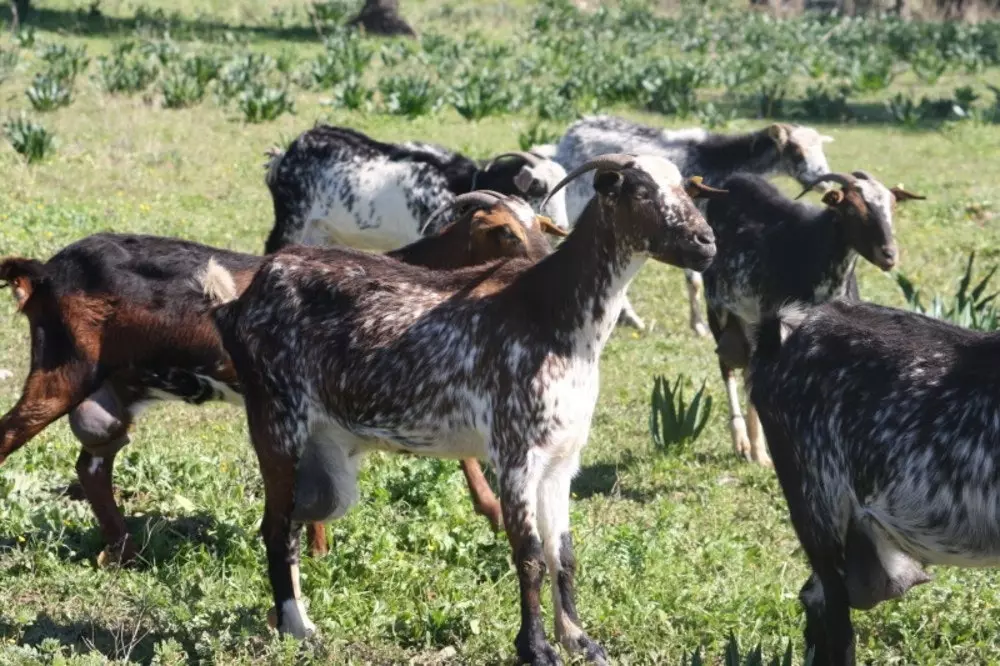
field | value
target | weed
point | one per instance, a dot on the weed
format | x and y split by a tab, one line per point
29	138
180	89
125	71
409	95
48	92
672	420
537	134
260	103
968	308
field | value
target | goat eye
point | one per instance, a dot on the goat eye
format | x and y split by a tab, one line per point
641	193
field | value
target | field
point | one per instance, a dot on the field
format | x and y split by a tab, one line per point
677	549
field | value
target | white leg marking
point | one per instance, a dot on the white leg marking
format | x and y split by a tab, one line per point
630	317
694	288
758	446
294	620
737	426
553	522
95	464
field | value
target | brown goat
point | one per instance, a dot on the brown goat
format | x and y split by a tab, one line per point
115	325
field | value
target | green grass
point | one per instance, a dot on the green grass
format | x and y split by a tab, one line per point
675	551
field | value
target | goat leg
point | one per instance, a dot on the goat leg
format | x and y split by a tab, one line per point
695	286
725	329
316	535
519	493
758	445
553	500
48	395
483	499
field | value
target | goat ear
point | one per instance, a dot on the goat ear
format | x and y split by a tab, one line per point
778	134
698	190
523	180
608	183
549	227
902	195
833	197
825	139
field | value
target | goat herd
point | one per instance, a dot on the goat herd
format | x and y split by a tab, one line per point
472	339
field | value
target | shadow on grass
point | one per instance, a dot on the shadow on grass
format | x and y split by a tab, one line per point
125	642
160	538
89	23
602	479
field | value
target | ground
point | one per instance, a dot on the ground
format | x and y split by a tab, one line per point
676	550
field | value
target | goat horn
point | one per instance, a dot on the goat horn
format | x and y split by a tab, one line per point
530	158
845	179
864	175
610	161
474	198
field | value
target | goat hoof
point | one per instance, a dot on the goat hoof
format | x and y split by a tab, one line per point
121	554
537	652
302	629
699	329
592	652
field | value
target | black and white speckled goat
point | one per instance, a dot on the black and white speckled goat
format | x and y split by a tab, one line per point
342	352
791	150
337	185
773	250
884	426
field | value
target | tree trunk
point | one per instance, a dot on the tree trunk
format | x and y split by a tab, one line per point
381	17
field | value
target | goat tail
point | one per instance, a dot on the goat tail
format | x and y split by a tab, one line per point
274	155
217	283
24	276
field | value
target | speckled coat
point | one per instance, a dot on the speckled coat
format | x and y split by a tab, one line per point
337	185
343	352
883	426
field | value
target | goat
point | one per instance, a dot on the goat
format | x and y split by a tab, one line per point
883	426
772	250
791	150
342	352
337	185
116	326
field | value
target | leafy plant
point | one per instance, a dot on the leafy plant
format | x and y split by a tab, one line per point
48	92
672	87
260	103
28	138
410	96
537	135
344	55
330	13
25	37
481	93
202	67
904	110
8	61
352	94
968	307
65	62
181	90
125	71
825	103
929	66
242	73
672	420
755	657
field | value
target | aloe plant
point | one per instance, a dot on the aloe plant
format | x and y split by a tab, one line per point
755	657
672	420
969	306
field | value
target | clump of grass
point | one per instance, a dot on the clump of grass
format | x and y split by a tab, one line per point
260	103
65	62
536	135
352	94
8	61
29	138
242	73
672	420
48	92
969	306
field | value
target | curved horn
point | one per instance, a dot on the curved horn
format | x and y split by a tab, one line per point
610	161
845	179
474	198
530	158
864	175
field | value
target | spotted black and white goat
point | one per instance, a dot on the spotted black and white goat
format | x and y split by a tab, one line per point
337	185
773	250
342	352
791	150
116	325
883	425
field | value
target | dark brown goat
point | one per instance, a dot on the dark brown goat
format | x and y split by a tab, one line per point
115	325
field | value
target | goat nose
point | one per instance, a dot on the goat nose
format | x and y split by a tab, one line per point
889	252
704	239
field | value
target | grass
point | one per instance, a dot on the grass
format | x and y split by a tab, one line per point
675	551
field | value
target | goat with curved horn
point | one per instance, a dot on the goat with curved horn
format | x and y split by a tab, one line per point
474	198
845	179
530	158
610	161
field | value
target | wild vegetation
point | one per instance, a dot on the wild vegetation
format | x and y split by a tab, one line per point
160	116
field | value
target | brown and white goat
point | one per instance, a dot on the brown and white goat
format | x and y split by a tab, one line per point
115	325
341	352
